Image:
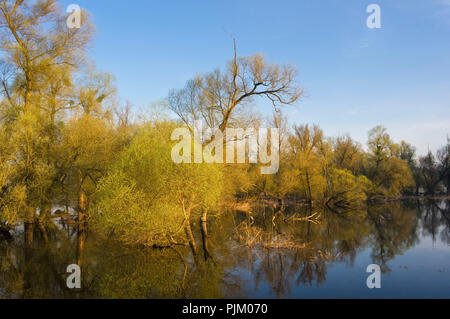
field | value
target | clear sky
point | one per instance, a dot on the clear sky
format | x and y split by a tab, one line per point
356	77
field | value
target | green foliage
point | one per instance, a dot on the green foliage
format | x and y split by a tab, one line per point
40	59
390	174
346	189
147	198
348	154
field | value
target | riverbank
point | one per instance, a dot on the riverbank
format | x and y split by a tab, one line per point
247	204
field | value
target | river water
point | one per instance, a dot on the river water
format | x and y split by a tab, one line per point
248	256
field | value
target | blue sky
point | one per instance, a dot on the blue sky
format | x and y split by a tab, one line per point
356	77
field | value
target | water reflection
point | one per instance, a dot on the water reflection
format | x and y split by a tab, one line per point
265	254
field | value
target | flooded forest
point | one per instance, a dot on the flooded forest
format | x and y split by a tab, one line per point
90	180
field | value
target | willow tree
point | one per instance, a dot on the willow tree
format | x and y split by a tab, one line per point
89	140
37	43
147	199
348	154
389	173
224	98
40	57
281	183
305	143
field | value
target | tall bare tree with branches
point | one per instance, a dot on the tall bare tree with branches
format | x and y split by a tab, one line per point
218	97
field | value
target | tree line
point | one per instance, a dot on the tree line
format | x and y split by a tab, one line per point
67	143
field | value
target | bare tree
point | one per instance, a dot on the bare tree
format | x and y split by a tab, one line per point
443	157
218	97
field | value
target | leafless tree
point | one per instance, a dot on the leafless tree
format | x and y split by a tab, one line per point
217	98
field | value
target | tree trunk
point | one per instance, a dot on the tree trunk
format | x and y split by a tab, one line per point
42	231
191	238
83	204
188	231
27	268
28	234
43	214
309	189
204	229
83	207
81	239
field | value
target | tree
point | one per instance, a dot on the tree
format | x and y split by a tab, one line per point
281	183
408	154
347	154
443	157
217	98
222	98
346	190
40	57
390	174
305	143
429	173
85	153
148	199
35	39
379	145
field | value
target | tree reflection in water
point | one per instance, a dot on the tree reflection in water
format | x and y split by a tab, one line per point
34	264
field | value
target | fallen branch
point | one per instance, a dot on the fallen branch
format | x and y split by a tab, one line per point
314	218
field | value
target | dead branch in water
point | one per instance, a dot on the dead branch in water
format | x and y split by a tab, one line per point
280	243
253	236
314	218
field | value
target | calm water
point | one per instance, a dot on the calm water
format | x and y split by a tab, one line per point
249	258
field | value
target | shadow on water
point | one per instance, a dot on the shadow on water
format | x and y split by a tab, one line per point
262	254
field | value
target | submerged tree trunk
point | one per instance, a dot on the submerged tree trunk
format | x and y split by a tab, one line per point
204	229
188	230
27	269
28	258
81	231
43	214
191	238
309	189
81	239
28	234
43	231
29	227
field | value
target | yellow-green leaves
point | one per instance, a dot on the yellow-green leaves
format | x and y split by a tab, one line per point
147	198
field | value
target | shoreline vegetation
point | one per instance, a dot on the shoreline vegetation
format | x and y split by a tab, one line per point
68	142
246	204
